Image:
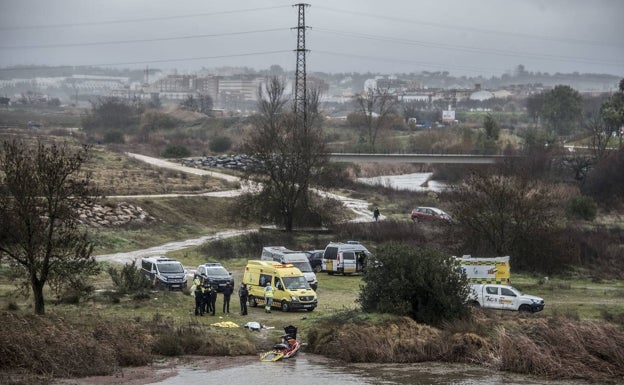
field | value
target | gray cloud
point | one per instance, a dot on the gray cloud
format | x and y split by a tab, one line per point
485	37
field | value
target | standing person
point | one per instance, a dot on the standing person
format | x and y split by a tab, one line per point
227	293
268	297
198	300
213	299
376	214
206	298
243	293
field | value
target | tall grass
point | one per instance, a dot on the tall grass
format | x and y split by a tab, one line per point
563	348
556	348
37	349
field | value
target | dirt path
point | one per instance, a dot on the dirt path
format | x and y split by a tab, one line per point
130	256
358	206
175	166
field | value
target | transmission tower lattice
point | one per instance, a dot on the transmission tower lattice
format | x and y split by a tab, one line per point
300	72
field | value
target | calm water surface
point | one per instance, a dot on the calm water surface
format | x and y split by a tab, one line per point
412	182
309	369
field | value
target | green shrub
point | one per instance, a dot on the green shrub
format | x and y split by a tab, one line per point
422	284
176	151
128	279
114	136
582	207
220	144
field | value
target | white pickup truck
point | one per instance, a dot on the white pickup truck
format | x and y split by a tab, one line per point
503	297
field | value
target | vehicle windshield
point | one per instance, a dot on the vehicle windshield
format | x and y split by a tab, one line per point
293	283
168	268
217	271
303	266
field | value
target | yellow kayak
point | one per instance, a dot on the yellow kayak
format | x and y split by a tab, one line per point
272	356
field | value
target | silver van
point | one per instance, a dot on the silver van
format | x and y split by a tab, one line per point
298	259
345	258
164	272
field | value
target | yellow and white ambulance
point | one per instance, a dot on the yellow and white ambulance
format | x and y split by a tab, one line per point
291	290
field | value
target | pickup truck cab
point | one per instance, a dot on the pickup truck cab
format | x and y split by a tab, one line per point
504	297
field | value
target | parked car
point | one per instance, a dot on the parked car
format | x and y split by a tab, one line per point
430	214
215	275
316	259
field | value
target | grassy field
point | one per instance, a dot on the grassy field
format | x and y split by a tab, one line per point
188	217
165	318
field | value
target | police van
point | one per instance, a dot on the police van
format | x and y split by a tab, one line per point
164	272
291	290
298	259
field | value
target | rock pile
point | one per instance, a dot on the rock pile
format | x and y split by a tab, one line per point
113	215
237	162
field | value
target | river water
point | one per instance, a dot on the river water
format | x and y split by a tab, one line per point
414	182
310	369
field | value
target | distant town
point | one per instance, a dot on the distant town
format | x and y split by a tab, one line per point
234	90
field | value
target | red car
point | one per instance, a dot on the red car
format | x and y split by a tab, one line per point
430	214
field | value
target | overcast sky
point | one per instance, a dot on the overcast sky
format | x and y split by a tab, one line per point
478	37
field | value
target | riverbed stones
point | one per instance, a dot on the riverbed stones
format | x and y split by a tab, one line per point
236	162
113	215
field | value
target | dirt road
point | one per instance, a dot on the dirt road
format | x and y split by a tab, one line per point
358	206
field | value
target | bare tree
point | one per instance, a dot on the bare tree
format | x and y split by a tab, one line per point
41	188
600	137
199	103
580	162
503	215
377	107
291	154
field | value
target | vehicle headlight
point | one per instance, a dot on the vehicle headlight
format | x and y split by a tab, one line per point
294	298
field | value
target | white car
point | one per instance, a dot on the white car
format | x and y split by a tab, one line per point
504	297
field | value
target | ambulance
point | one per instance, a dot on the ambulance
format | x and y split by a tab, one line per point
291	290
486	270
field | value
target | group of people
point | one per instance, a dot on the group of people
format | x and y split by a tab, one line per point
206	297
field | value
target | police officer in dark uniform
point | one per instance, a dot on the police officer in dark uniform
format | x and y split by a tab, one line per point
213	299
243	294
227	294
199	308
206	298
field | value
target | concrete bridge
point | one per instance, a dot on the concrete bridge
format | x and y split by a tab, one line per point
418	158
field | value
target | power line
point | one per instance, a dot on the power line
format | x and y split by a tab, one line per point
407	61
471	29
150	61
124	21
187	37
455	47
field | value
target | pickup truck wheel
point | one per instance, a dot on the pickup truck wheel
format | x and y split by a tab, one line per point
252	302
525	308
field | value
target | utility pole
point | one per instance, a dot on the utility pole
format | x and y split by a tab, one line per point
300	71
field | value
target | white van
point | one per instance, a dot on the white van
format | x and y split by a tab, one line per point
345	258
298	259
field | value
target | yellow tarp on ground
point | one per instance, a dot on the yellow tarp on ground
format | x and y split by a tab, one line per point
225	324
